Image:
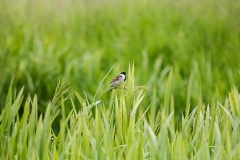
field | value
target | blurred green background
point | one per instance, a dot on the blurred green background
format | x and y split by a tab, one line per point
44	41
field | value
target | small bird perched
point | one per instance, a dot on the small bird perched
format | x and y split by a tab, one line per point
118	80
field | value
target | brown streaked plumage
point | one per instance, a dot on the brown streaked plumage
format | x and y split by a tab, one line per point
118	79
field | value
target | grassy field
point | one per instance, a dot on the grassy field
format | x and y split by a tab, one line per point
180	100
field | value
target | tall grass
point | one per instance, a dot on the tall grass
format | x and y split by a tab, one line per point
180	100
122	130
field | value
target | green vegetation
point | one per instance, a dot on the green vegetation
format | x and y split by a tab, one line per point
180	100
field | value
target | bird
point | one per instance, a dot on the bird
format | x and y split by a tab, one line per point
119	79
